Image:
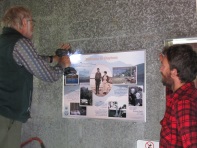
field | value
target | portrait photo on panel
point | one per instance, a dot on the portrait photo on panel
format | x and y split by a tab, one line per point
85	95
101	80
116	109
135	96
76	109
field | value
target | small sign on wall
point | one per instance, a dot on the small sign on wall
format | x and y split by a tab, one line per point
147	144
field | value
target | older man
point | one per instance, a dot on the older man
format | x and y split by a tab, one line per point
19	62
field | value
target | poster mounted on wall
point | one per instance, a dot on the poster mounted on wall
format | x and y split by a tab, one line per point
106	86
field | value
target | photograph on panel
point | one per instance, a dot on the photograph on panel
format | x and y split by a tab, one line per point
135	95
101	80
84	75
71	79
76	109
124	75
116	109
85	95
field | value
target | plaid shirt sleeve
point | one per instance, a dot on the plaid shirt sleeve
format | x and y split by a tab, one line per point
25	55
186	115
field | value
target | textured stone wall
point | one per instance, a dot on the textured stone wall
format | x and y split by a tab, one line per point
94	26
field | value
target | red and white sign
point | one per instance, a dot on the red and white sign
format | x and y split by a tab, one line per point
147	144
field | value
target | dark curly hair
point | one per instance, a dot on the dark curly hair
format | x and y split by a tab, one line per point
183	58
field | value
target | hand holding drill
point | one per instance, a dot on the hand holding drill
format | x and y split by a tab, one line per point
65	50
63	54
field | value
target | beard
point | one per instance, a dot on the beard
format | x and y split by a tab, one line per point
167	80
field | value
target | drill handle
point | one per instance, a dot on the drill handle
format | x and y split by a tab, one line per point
62	52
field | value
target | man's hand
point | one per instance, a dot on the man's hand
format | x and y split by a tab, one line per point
64	61
65	46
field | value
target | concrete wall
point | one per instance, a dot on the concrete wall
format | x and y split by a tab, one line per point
93	26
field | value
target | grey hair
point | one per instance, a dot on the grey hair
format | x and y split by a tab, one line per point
13	16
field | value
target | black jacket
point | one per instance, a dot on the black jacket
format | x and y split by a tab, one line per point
16	83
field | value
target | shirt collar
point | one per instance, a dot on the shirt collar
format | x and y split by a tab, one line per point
9	30
175	95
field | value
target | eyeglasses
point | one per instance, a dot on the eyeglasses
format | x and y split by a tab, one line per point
33	21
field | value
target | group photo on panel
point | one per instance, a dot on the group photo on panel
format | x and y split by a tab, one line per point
102	83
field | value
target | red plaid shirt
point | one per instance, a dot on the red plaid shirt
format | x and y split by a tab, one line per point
179	125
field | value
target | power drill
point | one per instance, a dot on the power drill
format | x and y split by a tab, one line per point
64	52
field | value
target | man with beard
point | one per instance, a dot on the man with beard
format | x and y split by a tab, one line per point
178	70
